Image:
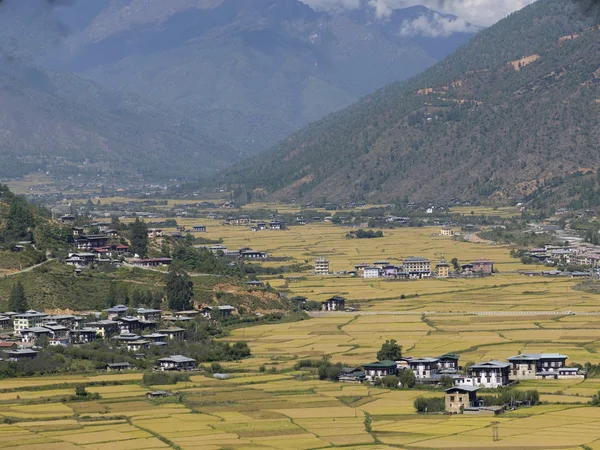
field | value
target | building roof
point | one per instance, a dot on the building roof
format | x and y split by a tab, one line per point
171	330
30	315
536	356
177	359
493	363
423	360
449	356
386	364
21	351
117	309
119	364
465	388
36	330
225	308
415	259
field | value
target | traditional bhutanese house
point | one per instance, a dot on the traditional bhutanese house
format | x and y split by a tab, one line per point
491	374
424	367
335	303
177	334
352	375
417	267
371	272
155	337
34	334
116	311
446	230
255	284
531	366
449	361
118	367
176	362
225	310
149	315
21	354
200	228
152	262
86	335
458	398
140	344
484	266
104	328
129	324
360	269
380	369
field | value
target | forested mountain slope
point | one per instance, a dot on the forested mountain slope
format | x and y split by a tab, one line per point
511	114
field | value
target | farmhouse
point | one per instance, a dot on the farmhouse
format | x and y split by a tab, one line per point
104	328
541	366
491	374
360	269
225	310
276	225
152	262
458	398
424	368
417	267
34	334
118	367
446	231
129	324
380	369
255	284
91	242
390	271
252	254
149	315
86	335
352	375
448	362
177	334
335	303
176	362
484	266
21	354
200	228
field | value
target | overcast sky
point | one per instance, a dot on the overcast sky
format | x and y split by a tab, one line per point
478	12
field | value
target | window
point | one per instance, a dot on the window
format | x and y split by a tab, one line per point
452	398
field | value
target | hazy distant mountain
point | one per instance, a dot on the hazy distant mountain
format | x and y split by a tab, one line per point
250	72
513	114
67	125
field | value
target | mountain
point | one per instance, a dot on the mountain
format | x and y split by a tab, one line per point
512	114
60	123
249	72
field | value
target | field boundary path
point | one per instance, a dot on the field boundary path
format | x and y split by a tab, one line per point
452	313
29	269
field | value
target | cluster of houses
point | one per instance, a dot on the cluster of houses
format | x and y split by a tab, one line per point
255	225
134	329
418	268
242	253
489	374
577	254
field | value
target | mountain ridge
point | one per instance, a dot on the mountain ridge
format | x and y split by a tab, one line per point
460	125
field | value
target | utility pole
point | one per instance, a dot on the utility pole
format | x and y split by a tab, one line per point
495	432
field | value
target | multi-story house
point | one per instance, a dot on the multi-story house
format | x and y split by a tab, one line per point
417	267
26	320
321	266
491	374
541	366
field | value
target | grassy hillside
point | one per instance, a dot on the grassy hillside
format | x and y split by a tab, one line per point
511	114
54	286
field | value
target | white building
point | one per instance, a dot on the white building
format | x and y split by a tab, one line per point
321	266
30	319
372	272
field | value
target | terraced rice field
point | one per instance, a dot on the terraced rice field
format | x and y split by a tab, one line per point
290	409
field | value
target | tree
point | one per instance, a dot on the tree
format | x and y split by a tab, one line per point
454	263
180	289
407	378
111	298
17	301
139	237
390	350
137	298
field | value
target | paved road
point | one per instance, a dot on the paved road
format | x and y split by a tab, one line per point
453	313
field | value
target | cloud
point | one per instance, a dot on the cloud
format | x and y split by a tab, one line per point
479	12
435	26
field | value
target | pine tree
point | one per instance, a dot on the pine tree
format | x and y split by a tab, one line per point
111	298
139	238
17	301
180	289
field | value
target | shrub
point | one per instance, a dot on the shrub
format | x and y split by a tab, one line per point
159	378
430	405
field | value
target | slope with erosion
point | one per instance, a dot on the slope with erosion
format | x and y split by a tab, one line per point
516	105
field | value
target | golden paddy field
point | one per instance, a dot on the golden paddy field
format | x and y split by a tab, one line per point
281	408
